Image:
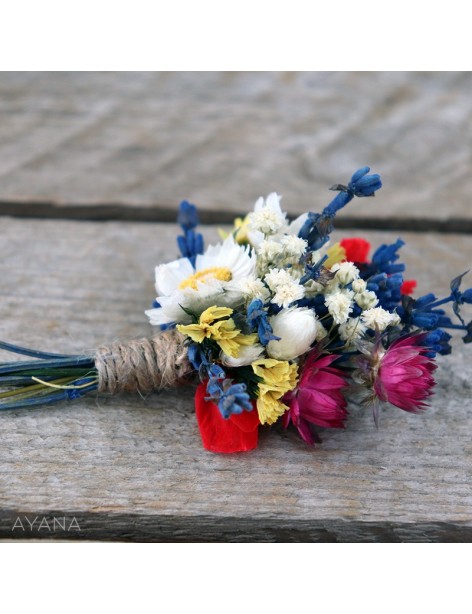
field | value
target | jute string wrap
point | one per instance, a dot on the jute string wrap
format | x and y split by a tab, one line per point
143	365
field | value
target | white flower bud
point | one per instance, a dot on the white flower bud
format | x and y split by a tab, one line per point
359	285
297	329
345	272
367	299
379	318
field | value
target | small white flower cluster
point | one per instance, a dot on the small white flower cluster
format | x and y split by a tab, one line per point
339	304
279	252
379	319
276	242
269	250
346	272
293	248
253	288
267	217
367	299
339	298
352	330
345	289
285	288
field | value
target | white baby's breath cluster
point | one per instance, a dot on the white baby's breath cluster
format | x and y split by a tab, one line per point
351	330
379	319
267	217
285	288
339	304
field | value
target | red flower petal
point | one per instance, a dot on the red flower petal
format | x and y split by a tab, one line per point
237	434
408	286
357	249
247	421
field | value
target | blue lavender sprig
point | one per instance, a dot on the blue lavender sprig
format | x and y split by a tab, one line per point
458	297
191	242
230	398
318	226
424	312
384	275
257	318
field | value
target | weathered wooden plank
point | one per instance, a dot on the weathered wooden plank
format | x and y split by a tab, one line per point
104	526
223	139
134	468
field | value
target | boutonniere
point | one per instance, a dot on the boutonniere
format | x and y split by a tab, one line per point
275	322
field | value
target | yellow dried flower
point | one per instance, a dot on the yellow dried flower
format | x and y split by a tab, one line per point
278	377
336	253
223	331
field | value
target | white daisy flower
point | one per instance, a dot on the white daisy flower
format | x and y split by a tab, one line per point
214	281
379	318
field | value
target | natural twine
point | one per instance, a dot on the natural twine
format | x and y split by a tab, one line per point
143	365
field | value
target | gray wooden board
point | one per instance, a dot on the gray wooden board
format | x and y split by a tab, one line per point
132	468
148	140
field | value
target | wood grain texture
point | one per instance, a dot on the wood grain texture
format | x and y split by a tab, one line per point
132	468
222	139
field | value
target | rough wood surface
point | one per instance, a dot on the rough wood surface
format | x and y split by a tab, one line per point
88	142
133	468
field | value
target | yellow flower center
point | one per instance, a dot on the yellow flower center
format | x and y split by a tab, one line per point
216	272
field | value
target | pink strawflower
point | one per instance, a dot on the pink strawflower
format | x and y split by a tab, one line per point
318	398
403	374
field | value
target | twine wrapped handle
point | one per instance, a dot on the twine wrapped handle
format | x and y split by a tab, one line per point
143	365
